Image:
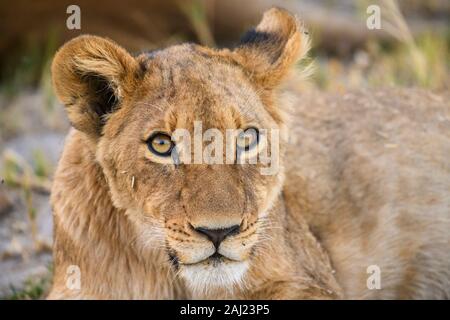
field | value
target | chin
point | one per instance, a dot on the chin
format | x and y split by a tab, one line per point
210	275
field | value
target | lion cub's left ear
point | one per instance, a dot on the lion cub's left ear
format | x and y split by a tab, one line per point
91	75
271	49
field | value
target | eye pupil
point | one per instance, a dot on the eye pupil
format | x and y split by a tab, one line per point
248	139
160	144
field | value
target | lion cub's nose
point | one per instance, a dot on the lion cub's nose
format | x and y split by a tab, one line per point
218	235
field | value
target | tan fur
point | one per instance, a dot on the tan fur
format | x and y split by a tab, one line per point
119	214
372	179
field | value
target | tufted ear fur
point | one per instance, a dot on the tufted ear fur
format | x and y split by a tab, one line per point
90	76
270	50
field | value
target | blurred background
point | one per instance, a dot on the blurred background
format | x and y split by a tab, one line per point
411	49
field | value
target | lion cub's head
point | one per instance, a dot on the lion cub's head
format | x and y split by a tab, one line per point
203	199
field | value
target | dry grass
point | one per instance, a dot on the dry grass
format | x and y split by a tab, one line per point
195	11
414	62
17	173
33	289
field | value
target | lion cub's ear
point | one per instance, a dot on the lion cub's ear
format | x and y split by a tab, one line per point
271	49
90	76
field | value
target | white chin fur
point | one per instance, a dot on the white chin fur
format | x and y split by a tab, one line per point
202	278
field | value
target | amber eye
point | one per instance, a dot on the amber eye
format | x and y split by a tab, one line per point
160	144
248	139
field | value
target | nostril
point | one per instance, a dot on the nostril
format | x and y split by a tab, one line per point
218	235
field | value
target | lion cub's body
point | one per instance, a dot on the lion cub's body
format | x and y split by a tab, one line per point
368	171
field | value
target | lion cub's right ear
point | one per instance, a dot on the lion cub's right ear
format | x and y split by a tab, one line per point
269	51
91	75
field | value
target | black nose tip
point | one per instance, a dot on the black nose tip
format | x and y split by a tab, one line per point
218	235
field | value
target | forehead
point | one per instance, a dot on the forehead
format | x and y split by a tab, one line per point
183	84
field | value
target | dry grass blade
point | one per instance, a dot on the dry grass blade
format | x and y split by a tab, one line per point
195	12
19	174
395	24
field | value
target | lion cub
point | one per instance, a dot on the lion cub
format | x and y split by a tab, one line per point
140	213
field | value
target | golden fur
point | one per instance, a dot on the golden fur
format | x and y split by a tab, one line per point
127	221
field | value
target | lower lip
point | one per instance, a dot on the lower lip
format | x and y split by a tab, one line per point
214	260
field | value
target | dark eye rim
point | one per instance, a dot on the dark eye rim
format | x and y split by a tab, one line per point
254	143
150	146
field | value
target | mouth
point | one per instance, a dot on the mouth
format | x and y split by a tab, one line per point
213	260
216	257
209	272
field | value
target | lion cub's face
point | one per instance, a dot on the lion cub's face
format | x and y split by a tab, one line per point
179	134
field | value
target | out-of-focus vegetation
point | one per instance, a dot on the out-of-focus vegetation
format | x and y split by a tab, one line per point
32	289
396	57
412	49
421	61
